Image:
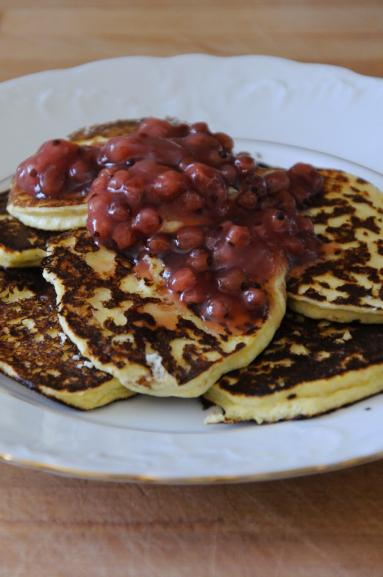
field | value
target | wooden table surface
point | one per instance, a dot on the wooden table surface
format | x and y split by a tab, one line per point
330	525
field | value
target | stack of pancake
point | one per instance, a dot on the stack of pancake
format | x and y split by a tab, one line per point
77	324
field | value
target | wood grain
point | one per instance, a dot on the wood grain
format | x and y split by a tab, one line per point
322	526
41	34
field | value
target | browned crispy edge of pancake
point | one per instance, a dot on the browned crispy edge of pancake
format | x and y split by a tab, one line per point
3	202
110	129
17	237
17	197
269	374
32	360
107	129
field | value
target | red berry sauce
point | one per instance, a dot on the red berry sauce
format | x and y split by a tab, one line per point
219	223
58	167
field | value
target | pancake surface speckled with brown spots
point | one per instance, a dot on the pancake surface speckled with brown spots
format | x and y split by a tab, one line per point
132	328
309	368
35	351
20	245
68	211
347	284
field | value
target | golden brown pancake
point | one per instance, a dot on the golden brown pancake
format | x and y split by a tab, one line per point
347	284
309	368
20	245
131	328
102	132
35	351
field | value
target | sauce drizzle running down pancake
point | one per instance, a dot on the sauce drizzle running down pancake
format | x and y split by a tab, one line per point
130	326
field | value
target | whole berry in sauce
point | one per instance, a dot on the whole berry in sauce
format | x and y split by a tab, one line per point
159	244
238	236
229	173
199	259
277	221
191	201
248	200
277	180
193	296
119	210
231	280
169	184
123	236
245	164
225	140
208	182
147	221
199	127
189	237
215	309
183	279
254	298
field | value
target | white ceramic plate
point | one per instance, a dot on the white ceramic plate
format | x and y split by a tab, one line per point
257	99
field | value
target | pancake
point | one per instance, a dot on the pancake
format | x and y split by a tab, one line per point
20	245
35	351
131	328
68	211
100	133
347	285
309	368
55	214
